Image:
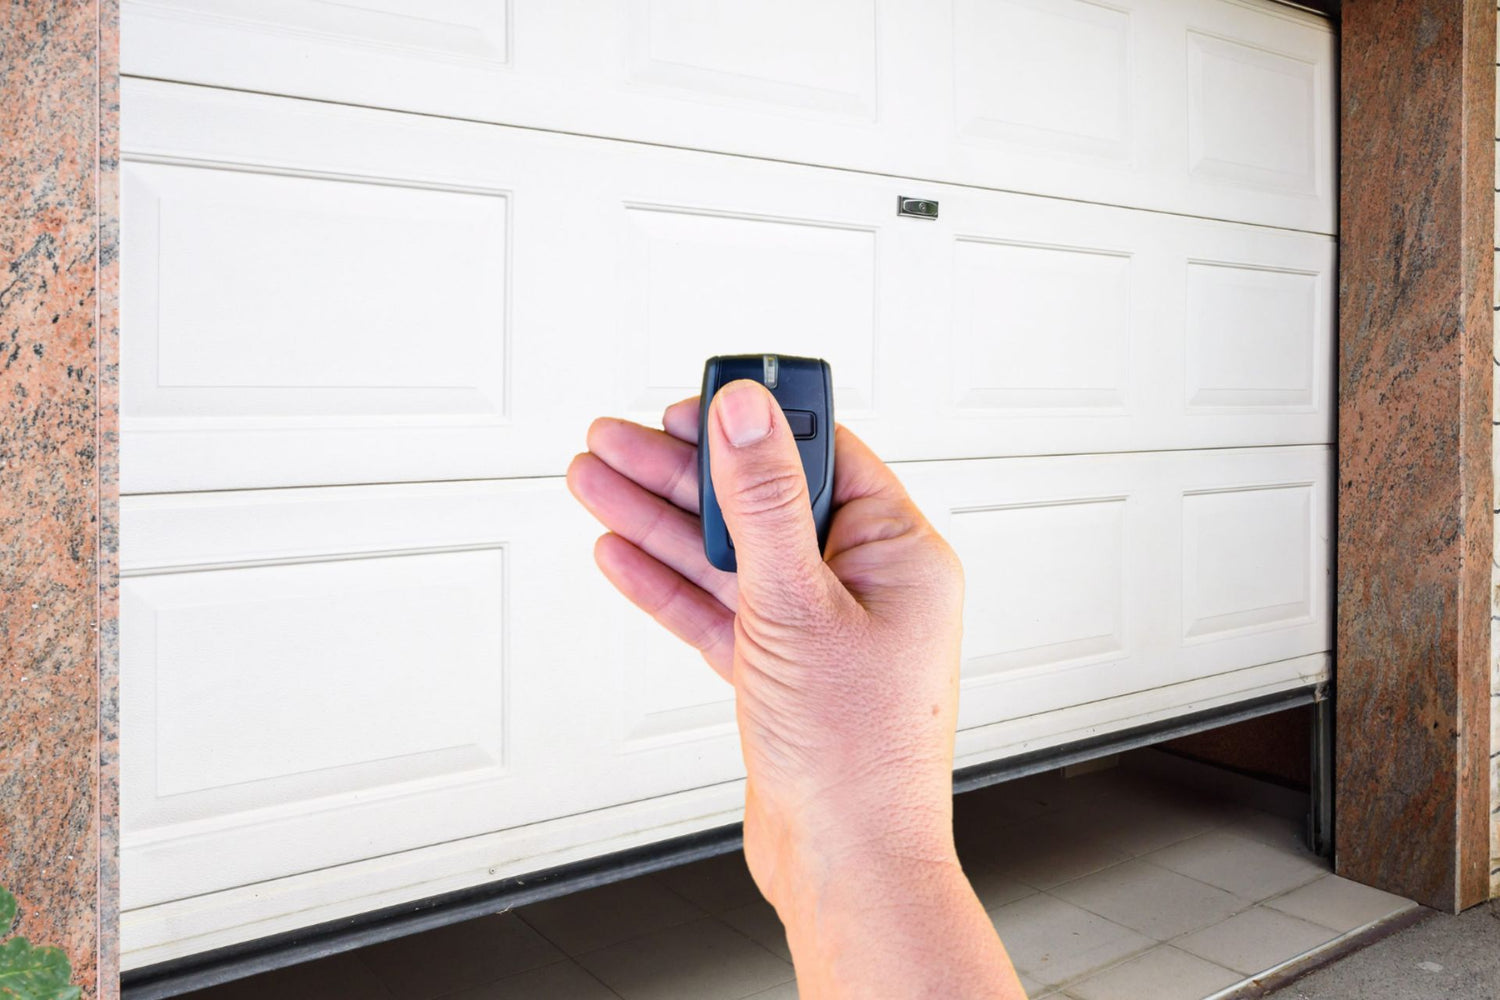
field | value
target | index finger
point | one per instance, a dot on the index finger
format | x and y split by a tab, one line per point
858	472
681	420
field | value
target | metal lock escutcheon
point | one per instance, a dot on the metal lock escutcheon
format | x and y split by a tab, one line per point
917	208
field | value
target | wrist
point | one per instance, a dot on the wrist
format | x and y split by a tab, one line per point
907	925
859	833
886	871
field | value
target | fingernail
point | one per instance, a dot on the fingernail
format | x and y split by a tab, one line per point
744	413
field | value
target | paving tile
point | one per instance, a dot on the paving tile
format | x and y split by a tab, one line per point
1033	988
1249	868
995	884
564	980
758	921
430	964
978	815
339	977
1339	903
985	815
714	884
1285	832
703	960
1053	849
1256	940
1053	941
1110	783
1163	973
1155	901
786	991
1140	823
1067	792
596	918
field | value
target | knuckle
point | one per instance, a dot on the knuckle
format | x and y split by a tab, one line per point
947	558
658	602
933	567
683	479
773	492
702	636
946	566
905	519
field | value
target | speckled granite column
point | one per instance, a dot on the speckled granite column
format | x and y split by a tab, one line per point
58	333
1414	531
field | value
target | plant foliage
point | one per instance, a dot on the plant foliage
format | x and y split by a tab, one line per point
28	973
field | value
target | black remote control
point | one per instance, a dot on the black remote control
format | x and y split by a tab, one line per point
804	388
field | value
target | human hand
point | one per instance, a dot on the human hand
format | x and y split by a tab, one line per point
844	663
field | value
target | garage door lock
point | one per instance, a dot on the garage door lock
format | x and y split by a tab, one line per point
918	208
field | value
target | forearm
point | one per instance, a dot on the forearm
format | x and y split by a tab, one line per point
896	928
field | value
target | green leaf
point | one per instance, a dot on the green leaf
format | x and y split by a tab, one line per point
7	911
28	973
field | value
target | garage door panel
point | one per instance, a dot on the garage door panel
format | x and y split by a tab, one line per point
274	684
1251	116
371	320
582	278
315	676
468	30
1024	337
260	294
1259	338
1247	559
783	52
1096	576
440	300
1068	97
1255	555
1052	76
319	675
703	283
1046	583
670	708
1076	328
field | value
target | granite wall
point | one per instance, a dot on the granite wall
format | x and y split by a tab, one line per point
1416	517
1495	559
58	337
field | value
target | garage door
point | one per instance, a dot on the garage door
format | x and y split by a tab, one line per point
384	261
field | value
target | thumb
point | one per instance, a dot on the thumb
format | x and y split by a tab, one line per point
759	482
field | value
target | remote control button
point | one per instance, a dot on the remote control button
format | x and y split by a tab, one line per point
804	423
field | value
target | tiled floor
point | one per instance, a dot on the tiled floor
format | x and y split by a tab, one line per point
1110	886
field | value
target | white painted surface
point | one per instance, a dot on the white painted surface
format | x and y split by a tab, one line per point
1218	108
1115	574
318	676
183	927
367	657
274	294
320	295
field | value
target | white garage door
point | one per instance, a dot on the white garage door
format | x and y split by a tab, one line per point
384	261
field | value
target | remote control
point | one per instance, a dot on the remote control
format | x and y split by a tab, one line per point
804	388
